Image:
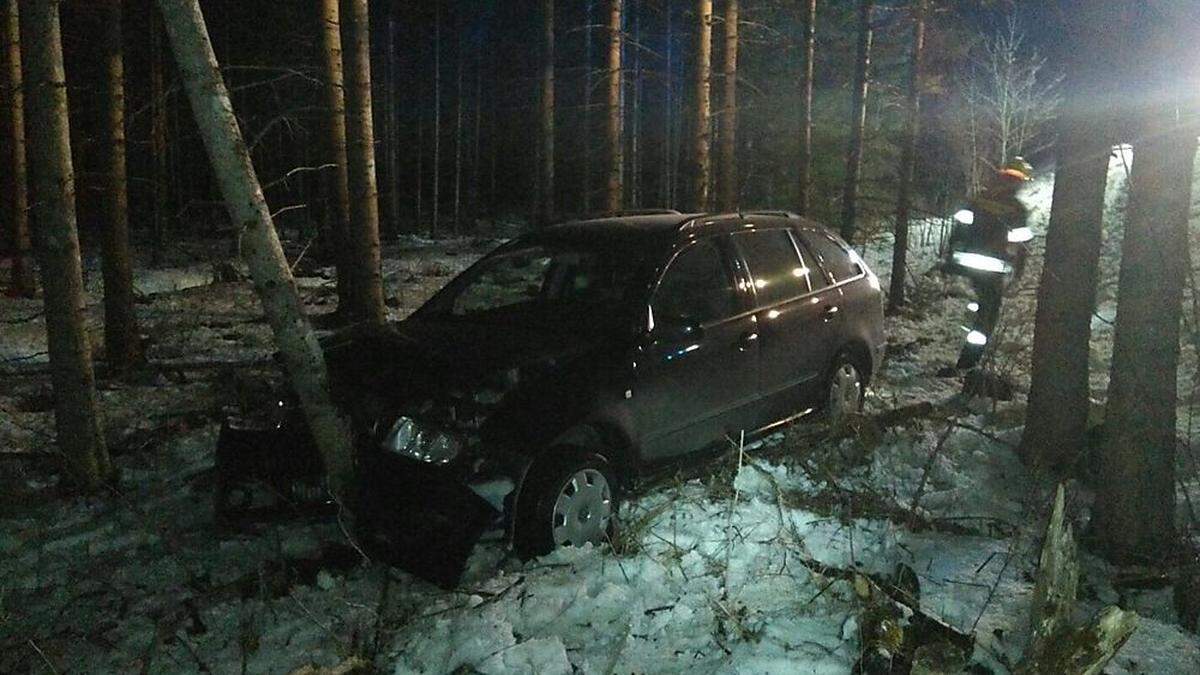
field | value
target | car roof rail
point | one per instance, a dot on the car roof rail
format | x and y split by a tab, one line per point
645	212
780	214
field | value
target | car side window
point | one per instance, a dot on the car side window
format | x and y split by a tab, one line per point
775	264
696	288
834	257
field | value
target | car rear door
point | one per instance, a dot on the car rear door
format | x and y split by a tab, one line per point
792	316
696	373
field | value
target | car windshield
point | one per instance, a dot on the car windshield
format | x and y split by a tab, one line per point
541	280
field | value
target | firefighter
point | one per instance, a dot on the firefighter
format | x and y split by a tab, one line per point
988	248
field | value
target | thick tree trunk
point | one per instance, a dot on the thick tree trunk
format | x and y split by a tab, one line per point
243	195
121	344
76	412
546	184
337	185
360	168
22	269
729	179
858	121
158	136
908	159
615	185
701	160
1059	389
806	100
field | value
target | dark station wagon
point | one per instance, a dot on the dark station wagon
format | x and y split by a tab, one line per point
557	371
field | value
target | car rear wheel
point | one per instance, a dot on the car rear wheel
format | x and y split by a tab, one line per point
846	391
568	502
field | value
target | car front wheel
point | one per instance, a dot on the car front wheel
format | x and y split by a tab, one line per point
846	390
566	503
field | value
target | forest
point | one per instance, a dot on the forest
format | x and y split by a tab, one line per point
599	336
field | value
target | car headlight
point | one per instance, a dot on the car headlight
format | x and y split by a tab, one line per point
965	216
408	439
983	263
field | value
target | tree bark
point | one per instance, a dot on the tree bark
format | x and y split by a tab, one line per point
336	179
76	410
615	185
729	179
1057	417
586	196
701	161
806	100
858	121
458	131
1135	504
121	346
437	119
908	159
360	168
302	356
546	198
22	271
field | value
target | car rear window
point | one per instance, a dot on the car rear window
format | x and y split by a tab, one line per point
778	271
834	257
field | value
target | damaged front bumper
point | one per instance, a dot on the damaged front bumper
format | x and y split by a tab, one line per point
423	516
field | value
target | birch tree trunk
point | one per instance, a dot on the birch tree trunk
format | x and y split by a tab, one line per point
360	168
701	161
336	179
729	180
546	198
858	121
121	346
806	100
614	186
76	410
302	356
22	271
908	158
1059	394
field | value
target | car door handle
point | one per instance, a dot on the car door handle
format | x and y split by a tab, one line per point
829	313
747	340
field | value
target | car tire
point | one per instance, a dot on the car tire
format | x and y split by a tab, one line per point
565	501
845	389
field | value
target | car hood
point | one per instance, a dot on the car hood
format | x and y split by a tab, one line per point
418	362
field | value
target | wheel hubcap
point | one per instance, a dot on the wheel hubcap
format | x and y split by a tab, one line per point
583	509
845	392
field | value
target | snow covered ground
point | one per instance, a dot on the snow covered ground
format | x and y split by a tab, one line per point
710	573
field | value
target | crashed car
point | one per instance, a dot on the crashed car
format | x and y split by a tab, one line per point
544	381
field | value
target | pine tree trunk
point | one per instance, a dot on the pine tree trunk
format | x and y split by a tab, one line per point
586	196
458	132
858	120
908	159
393	131
22	270
546	197
158	136
1135	505
360	168
701	161
337	179
302	356
729	180
76	411
120	323
437	119
614	186
1059	395
806	100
